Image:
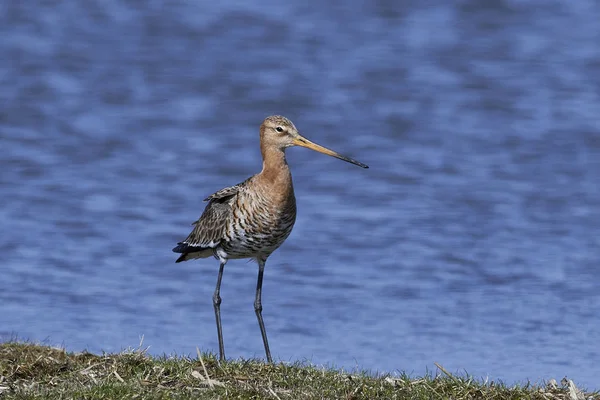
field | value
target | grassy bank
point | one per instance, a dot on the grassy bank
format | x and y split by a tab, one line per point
33	371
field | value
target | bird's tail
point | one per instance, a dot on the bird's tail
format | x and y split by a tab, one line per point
191	252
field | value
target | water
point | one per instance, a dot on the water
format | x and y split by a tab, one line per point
472	241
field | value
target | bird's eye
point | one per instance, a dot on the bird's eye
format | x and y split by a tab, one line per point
279	129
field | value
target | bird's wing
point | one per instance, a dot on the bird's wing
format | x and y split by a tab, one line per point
210	228
214	222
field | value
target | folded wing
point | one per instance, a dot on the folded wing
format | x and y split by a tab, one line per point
212	226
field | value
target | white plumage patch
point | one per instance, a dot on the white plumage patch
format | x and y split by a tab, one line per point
211	244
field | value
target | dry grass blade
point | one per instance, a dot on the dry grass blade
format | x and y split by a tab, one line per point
448	374
116	374
274	394
208	380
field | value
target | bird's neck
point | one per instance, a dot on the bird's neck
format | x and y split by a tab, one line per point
275	167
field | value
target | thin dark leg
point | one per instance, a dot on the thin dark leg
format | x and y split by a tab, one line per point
258	309
217	306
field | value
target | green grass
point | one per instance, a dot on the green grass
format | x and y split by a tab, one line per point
29	371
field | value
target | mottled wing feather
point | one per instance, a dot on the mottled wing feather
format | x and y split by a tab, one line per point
213	224
210	229
213	227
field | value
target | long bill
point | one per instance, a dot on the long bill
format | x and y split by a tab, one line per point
304	142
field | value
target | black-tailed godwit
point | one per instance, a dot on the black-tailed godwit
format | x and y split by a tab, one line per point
252	219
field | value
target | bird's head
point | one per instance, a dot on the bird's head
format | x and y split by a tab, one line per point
277	132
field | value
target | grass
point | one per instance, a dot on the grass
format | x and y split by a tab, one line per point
29	371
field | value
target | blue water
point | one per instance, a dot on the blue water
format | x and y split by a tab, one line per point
472	241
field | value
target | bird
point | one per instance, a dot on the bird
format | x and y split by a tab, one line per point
252	219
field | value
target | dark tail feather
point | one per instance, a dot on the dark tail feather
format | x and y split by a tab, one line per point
182	248
186	249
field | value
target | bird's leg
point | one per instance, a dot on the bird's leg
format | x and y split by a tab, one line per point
217	306
258	308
